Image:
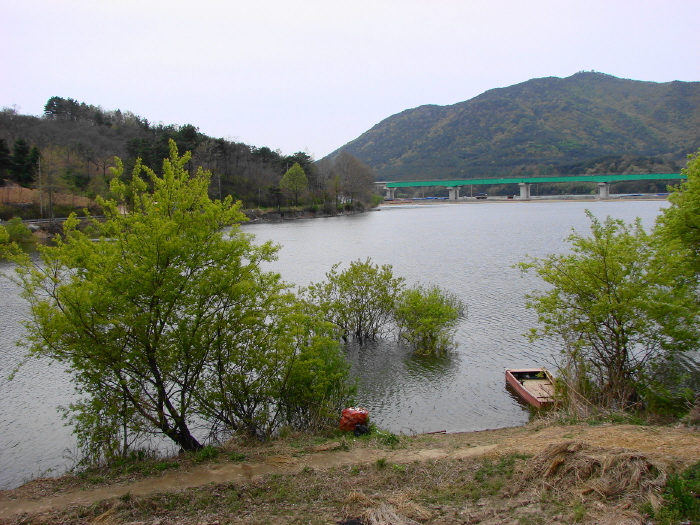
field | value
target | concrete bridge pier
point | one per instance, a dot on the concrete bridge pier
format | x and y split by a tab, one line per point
389	192
603	190
524	190
454	193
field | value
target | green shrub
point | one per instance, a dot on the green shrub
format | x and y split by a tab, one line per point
681	501
17	230
237	456
329	208
426	318
360	300
207	453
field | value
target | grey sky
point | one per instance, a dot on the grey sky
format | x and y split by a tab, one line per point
315	74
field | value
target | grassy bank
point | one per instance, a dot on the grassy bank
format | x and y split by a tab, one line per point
541	473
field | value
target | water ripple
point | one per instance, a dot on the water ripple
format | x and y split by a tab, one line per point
467	249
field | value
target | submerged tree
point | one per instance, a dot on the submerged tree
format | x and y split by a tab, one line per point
427	317
366	302
359	300
169	319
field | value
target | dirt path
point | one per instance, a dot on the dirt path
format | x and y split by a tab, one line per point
679	445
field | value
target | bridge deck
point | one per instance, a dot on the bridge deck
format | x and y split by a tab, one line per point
532	180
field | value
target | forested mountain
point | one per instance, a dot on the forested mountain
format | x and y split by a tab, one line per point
586	123
70	148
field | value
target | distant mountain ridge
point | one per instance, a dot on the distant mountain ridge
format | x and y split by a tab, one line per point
542	126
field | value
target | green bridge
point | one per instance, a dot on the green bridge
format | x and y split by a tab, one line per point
603	182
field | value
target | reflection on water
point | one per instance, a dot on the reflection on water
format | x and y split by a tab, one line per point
431	368
467	249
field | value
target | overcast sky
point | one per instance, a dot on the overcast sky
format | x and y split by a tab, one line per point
312	75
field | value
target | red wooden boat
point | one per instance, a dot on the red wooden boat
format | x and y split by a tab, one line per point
534	385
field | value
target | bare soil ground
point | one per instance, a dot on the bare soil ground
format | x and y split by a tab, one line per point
541	473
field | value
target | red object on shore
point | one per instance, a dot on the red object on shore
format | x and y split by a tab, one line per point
351	417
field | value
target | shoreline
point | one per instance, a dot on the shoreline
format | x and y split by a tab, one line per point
218	489
543	198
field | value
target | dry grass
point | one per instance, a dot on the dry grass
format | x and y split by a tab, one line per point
693	417
19	195
385	514
574	474
579	468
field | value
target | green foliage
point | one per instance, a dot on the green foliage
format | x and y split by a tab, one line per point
168	319
8	249
679	224
376	200
280	366
681	502
621	305
11	233
5	158
295	182
91	137
17	230
206	453
366	301
542	126
388	439
505	466
426	318
360	300
354	179
24	162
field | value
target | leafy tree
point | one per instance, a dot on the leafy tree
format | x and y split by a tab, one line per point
4	240
356	177
295	182
17	230
335	188
166	312
619	304
54	177
25	160
5	158
680	223
360	300
278	366
426	318
275	195
8	249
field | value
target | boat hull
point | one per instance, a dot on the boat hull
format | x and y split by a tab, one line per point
534	385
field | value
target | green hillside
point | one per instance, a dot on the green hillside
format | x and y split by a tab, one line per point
584	123
70	149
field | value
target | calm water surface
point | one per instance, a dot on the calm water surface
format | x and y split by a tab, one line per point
469	249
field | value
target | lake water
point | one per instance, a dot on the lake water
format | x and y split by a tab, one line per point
467	248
